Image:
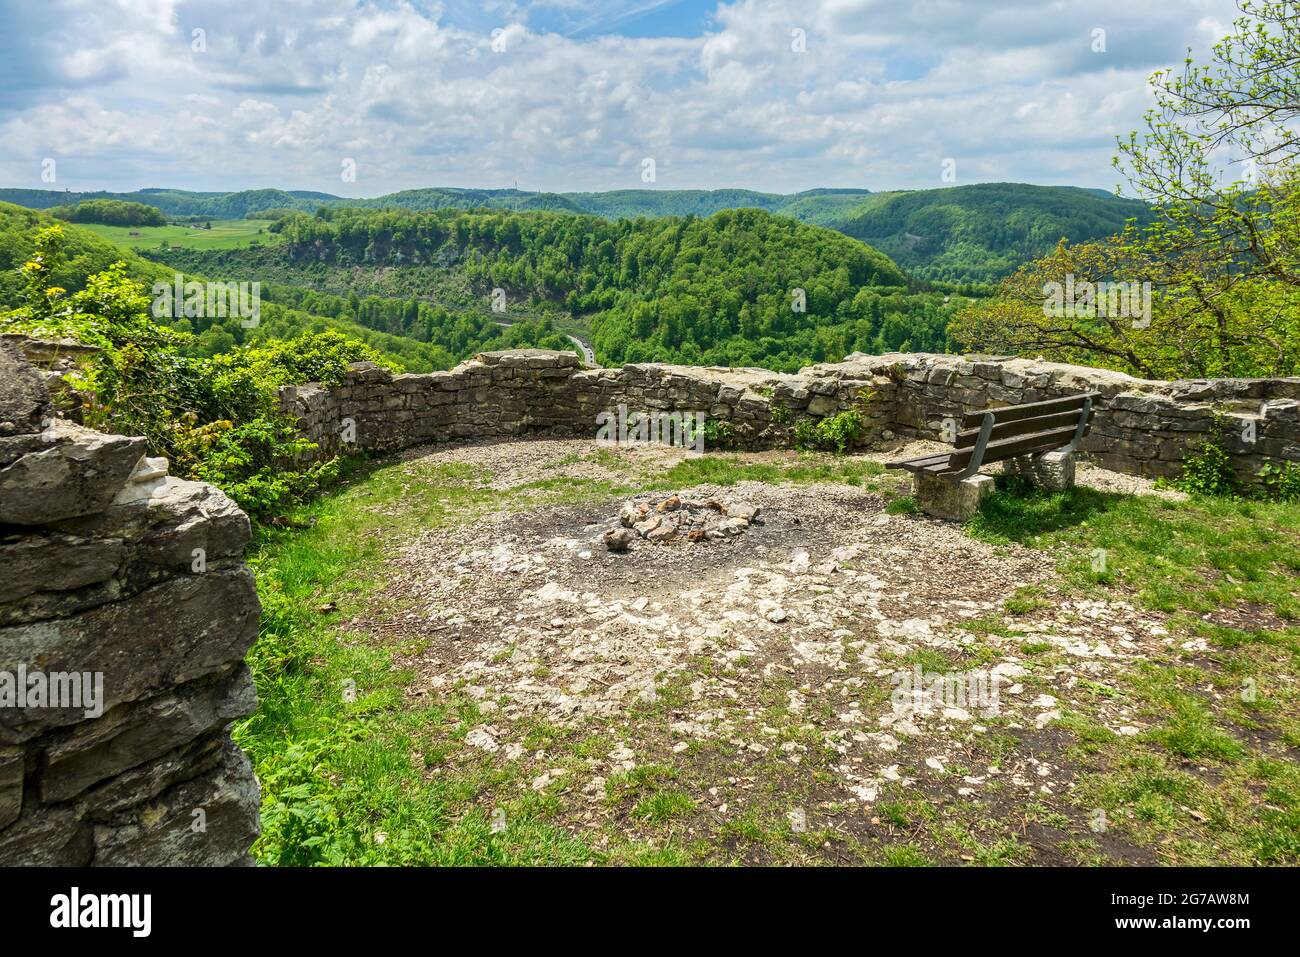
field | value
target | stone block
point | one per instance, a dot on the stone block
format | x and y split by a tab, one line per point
47	837
950	500
53	562
75	471
1053	471
171	633
146	781
209	821
823	405
24	399
136	733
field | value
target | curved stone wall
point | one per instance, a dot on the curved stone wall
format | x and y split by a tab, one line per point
1141	427
133	582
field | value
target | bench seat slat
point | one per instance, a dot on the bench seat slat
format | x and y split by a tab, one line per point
1014	413
915	465
1007	449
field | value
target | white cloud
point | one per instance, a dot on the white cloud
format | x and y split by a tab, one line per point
287	88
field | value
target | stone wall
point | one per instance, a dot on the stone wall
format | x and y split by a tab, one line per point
114	572
535	390
109	567
1141	426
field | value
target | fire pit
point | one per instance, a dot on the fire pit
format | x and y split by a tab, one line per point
677	519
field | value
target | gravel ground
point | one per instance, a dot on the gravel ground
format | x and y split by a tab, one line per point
791	643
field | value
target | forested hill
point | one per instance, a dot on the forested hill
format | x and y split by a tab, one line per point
614	204
983	232
977	233
429	337
741	287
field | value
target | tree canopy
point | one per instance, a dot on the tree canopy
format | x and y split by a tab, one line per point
1221	257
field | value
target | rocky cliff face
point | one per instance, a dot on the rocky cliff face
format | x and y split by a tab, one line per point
125	614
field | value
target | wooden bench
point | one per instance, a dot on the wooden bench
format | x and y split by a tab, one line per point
1008	433
999	435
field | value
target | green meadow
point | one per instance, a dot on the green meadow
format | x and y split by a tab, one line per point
224	234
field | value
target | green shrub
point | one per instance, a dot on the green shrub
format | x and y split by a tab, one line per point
719	434
1280	482
1207	469
216	419
835	433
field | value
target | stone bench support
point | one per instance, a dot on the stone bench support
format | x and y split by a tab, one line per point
1053	471
951	501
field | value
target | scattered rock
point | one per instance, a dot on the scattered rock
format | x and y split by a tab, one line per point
481	739
619	539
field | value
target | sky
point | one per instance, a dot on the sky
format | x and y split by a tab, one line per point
364	98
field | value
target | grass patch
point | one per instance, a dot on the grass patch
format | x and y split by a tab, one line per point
224	234
333	741
1195	787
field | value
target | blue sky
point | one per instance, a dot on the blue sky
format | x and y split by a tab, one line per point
577	94
579	20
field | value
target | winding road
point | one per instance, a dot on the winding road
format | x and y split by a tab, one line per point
588	353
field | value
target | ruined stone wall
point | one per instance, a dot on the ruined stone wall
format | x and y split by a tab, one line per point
133	581
1142	427
532	390
110	567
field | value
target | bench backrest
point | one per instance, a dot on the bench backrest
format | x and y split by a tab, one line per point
998	434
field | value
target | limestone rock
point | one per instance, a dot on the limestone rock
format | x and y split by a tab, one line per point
164	527
209	821
144	782
949	500
619	539
75	472
211	620
47	837
1053	471
54	562
24	400
742	510
133	734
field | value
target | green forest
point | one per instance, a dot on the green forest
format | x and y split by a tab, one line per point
960	234
741	287
983	232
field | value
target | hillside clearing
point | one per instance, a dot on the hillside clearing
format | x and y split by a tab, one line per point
223	234
452	671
